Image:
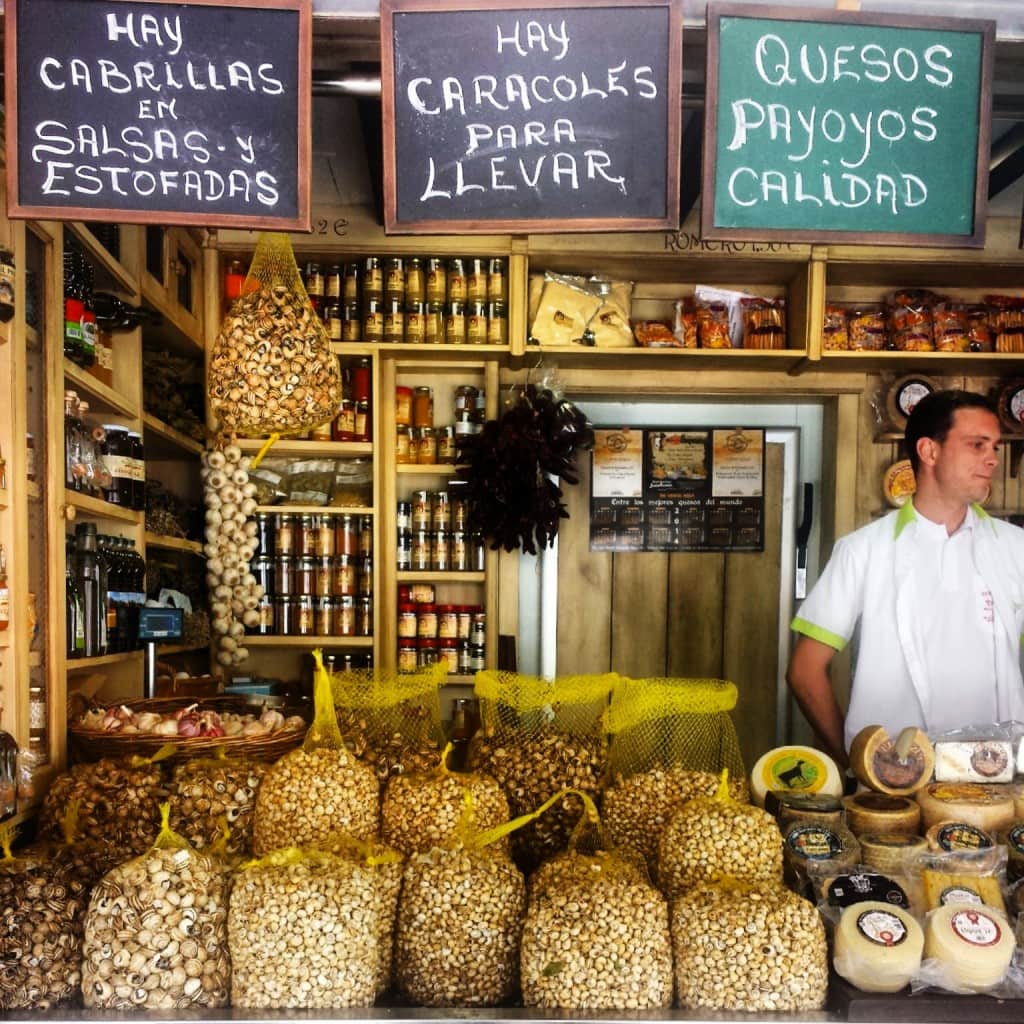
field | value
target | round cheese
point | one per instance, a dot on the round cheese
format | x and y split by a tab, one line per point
897	767
950	836
894	853
811	807
795	770
813	853
904	394
1015	853
899	483
990	808
878	812
877	947
973	945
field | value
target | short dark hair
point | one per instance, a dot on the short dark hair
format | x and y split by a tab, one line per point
933	416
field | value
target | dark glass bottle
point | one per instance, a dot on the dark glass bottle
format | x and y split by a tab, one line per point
74	305
114	314
87	576
74	630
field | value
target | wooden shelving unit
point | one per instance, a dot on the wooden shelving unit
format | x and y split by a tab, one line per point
96	508
316	510
307	641
323	449
426	576
161	543
86	664
164	441
101	397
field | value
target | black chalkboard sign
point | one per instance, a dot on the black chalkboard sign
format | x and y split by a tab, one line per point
159	112
846	127
548	116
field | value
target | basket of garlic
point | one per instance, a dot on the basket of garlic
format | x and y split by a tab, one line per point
194	728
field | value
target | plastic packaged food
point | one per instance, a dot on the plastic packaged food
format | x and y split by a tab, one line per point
713	325
867	327
835	337
764	323
685	323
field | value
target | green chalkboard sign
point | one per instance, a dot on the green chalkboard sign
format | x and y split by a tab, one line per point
838	126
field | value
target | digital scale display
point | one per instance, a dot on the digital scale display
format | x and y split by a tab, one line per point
160	623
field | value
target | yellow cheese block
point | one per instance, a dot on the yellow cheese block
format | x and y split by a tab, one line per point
972	945
877	947
795	769
942	889
990	808
898	767
879	812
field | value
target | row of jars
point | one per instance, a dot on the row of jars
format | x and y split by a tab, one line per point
425	620
314	616
314	576
394	321
321	536
440	551
460	656
414	407
438	511
428	279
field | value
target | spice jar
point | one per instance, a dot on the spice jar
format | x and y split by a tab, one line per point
446	451
264	534
476	280
439	554
394	320
476	323
373	278
441	511
421	550
345	616
324	616
324	537
447	622
394	278
284	576
403	445
364	616
366	536
448	653
323	581
497	324
30	458
426	653
350	283
305	615
407	655
415	283
403	515
497	280
305	575
332	282
403	406
406	621
265	611
403	550
306	535
262	568
364	577
423	407
422	510
344	576
373	320
426	621
346	537
456	279
434	323
351	322
424	446
284	616
460	552
415	322
437	281
455	323
284	535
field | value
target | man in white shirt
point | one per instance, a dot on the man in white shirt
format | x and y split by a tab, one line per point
932	595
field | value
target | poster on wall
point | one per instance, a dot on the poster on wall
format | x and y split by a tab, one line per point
677	489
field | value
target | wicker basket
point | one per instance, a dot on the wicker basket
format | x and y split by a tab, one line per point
93	744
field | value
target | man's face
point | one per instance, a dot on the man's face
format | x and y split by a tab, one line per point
965	461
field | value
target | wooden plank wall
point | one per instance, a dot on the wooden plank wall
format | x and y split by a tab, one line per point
682	615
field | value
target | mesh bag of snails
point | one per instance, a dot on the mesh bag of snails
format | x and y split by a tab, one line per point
748	946
209	794
538	737
317	789
710	838
156	930
304	931
596	934
44	894
118	799
460	918
391	721
423	809
670	740
271	370
385	864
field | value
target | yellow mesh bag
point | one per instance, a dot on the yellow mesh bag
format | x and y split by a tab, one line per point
391	721
538	737
271	369
670	740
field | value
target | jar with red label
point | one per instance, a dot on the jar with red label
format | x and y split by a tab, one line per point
476	323
457	279
446	451
476	280
403	406
422	510
407	656
437	280
448	652
407	621
447	622
394	320
426	621
415	322
460	552
373	278
345	616
344	428
439	553
424	446
441	511
305	539
455	323
394	278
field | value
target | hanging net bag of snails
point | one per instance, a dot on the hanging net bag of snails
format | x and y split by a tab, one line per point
670	740
271	369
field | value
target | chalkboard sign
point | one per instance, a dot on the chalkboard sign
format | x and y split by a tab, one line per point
846	127
556	116
159	112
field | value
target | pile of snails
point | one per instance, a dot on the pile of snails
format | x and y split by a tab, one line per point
230	545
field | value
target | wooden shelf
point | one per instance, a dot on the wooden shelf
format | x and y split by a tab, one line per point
169	650
325	449
84	664
162	543
94	508
306	641
676	358
316	510
986	363
461	353
102	398
110	274
417	469
415	576
164	440
169	333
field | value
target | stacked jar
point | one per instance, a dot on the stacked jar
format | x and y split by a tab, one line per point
429	632
412	299
418	440
433	535
317	574
354	421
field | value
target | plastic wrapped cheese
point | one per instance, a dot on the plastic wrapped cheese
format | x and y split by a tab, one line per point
877	946
972	946
795	769
897	767
974	761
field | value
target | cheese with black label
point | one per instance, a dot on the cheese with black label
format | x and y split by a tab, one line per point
973	946
950	836
795	769
897	767
974	761
877	946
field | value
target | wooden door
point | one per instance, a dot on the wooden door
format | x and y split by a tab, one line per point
694	615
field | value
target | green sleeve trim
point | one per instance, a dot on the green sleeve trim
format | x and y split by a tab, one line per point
834	640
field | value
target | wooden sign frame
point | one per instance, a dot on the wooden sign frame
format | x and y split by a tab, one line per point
984	28
388	10
137	214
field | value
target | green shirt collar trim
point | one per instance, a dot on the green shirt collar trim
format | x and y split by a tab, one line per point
907	514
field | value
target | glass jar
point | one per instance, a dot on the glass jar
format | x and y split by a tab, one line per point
284	576
423	407
394	278
426	621
364	577
346	535
420	551
437	280
116	453
350	283
332	317
366	536
324	537
332	282
476	280
460	552
407	655
415	283
477	629
323	583
373	278
426	653
406	621
324	616
403	550
305	576
364	616
497	280
456	280
351	322
433	324
305	541
403	445
447	622
345	616
403	406
422	510
476	323
284	535
264	534
415	322
373	320
441	511
497	324
403	515
394	320
305	615
423	446
344	576
262	567
455	323
265	610
439	553
284	616
446	451
448	653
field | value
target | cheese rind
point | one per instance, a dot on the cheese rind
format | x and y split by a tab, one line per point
795	769
989	808
972	945
897	767
974	761
891	851
879	813
877	947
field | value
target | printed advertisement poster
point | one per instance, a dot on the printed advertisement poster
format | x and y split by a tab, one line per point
678	489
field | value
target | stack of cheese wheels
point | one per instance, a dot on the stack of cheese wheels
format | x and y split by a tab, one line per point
973	945
795	769
877	946
989	808
870	813
893	853
897	767
816	807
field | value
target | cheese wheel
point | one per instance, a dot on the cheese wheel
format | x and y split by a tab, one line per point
878	812
974	761
897	767
951	836
973	946
816	807
795	770
878	946
1015	853
904	394
814	853
990	808
891	852
899	483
